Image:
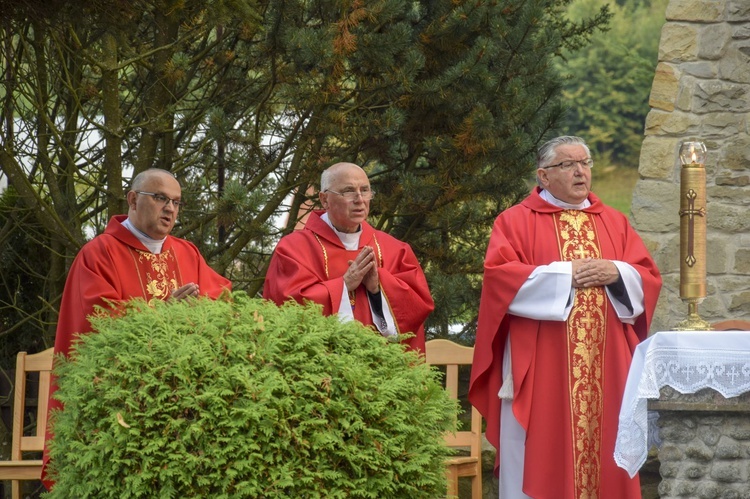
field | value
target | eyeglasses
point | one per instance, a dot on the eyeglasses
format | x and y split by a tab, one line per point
160	198
352	195
569	165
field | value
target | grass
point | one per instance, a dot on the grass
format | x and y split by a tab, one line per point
614	185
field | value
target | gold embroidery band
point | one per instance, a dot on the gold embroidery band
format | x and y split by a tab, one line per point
325	254
158	273
380	252
577	238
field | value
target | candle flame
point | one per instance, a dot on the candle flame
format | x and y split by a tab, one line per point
694	157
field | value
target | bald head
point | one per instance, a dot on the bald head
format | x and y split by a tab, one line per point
146	176
331	174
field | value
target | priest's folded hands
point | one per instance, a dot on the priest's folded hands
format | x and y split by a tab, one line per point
189	289
590	272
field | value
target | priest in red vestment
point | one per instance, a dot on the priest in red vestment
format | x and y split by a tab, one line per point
569	290
342	263
135	257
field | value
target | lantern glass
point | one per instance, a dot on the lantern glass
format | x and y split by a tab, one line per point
693	153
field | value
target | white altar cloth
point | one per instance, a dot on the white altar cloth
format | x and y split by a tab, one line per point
687	361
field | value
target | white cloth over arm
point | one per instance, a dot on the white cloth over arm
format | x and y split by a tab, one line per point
634	290
547	293
385	324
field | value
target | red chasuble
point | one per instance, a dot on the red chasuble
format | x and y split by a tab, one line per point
309	264
568	377
116	267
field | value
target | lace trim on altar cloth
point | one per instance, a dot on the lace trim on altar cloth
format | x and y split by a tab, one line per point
687	371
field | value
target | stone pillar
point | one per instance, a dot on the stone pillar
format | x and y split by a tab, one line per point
701	91
705	444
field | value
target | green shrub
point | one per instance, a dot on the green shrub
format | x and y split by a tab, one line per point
240	398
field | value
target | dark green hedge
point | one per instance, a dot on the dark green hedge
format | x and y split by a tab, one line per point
240	398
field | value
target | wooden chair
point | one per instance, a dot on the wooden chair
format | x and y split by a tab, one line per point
18	468
731	325
451	355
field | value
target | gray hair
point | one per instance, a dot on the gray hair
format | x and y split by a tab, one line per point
329	174
547	151
325	179
142	177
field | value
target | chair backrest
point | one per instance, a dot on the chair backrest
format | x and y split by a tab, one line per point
731	325
42	363
451	355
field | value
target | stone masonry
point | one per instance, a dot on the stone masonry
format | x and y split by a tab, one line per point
701	91
705	450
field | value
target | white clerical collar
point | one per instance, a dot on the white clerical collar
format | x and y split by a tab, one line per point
350	240
153	245
545	194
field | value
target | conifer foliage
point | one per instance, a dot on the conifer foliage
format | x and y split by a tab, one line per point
444	103
240	398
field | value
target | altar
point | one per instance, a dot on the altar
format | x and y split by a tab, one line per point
688	362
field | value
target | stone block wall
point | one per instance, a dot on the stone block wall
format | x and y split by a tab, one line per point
705	449
701	91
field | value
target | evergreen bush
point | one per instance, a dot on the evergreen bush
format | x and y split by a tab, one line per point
241	398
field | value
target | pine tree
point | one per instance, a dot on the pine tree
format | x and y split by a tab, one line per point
443	102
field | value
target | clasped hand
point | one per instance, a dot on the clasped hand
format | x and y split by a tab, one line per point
363	270
592	272
189	289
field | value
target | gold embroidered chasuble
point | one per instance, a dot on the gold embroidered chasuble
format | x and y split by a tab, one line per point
586	331
158	275
568	376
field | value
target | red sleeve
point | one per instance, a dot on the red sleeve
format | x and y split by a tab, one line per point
505	271
196	269
91	281
294	274
210	282
405	287
636	254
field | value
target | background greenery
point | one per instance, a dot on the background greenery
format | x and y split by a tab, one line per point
607	82
614	185
607	89
444	102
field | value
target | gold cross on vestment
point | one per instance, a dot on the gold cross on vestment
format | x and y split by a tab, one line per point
581	252
587	321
